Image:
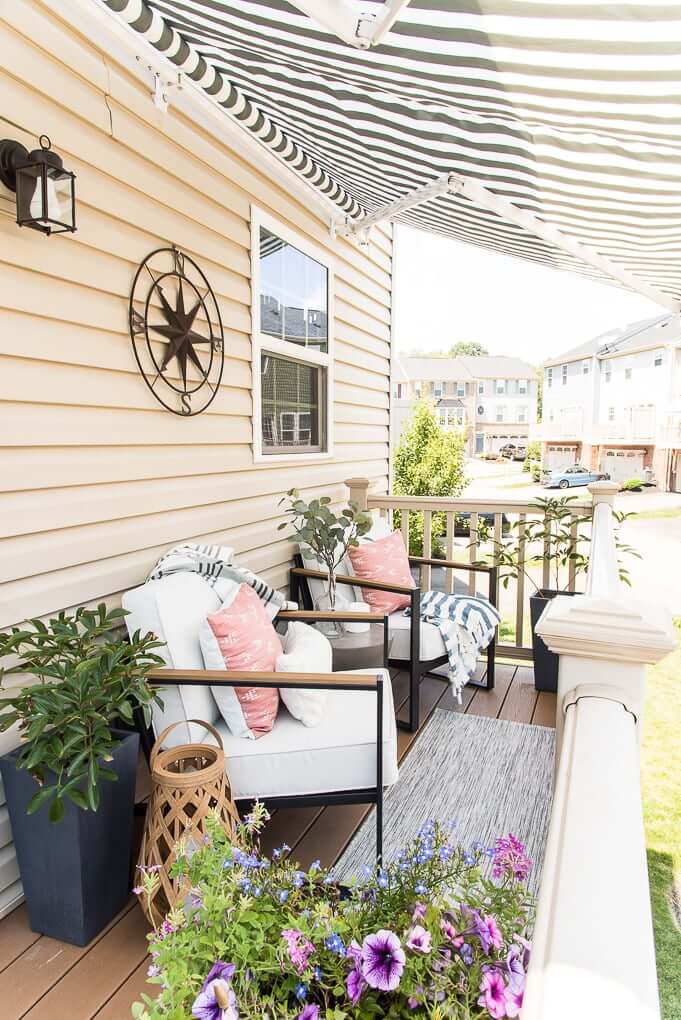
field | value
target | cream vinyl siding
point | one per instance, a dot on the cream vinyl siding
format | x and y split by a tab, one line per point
97	478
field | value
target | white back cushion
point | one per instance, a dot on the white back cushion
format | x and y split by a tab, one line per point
173	608
306	650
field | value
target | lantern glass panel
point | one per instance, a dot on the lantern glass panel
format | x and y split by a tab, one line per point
45	198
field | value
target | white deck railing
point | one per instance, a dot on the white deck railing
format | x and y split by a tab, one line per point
593	953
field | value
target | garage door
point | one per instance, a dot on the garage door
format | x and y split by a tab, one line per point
559	457
623	464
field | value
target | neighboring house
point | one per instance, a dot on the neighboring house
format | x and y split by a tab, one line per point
493	399
614	404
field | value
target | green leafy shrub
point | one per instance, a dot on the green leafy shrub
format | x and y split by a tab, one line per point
535	471
261	938
532	454
89	679
632	485
428	461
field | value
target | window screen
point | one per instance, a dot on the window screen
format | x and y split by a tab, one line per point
292	405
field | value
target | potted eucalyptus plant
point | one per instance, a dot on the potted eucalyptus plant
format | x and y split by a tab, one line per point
559	537
327	535
70	785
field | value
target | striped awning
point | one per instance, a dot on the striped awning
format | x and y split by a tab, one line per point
572	111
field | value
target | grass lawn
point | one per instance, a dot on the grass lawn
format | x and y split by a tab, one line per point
661	778
655	515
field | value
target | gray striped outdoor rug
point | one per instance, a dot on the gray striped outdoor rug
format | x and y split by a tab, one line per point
491	777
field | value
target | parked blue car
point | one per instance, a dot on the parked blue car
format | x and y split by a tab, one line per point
567	477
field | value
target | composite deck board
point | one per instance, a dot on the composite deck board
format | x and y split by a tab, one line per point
41	979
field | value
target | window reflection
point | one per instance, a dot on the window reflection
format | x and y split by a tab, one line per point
293	294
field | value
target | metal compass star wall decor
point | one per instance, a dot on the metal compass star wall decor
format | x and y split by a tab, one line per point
176	331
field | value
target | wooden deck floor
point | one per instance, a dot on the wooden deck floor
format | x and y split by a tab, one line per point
43	979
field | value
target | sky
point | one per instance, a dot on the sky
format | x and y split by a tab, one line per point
446	291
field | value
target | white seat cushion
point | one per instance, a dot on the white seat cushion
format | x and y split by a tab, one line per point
338	754
174	608
399	626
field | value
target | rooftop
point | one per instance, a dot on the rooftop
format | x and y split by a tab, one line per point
466	368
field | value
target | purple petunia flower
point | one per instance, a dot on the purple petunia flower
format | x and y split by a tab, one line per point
510	859
419	939
466	954
487	930
382	960
355	985
419	912
493	996
310	1012
216	1000
516	969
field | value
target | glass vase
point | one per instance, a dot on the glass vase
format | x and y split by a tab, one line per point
330	602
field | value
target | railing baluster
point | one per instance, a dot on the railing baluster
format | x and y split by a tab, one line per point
404	528
427	547
572	565
473	549
498	534
449	553
520	588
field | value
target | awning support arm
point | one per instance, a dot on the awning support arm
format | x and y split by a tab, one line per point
454	184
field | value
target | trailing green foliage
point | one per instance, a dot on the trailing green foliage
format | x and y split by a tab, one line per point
532	456
329	535
89	678
429	461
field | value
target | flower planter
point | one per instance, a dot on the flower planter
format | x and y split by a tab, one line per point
545	661
75	872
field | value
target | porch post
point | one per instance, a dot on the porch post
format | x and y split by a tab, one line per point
359	491
604	637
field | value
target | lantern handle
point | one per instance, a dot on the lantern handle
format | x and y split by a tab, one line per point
159	742
47	144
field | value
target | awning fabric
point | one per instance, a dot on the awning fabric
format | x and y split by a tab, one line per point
570	110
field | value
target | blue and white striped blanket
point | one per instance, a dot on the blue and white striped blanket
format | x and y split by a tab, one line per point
213	563
467	624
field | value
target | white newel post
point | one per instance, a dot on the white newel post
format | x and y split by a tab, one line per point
359	491
593	950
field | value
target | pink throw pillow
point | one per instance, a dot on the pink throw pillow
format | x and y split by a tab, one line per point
246	640
383	560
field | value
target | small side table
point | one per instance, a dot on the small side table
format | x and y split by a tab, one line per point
361	651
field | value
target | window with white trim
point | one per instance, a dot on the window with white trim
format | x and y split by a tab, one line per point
549	377
501	413
658	359
611	414
437	389
564	374
500	386
292	343
461	389
585	366
627	373
481	388
522	387
608	372
522	413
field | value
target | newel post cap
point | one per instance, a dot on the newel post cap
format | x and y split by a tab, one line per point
359	491
614	629
604	492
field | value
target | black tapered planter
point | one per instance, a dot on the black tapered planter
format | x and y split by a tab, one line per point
545	661
75	872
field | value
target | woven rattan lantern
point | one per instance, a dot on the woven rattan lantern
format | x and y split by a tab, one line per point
188	781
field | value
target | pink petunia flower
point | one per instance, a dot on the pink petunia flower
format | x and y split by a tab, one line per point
514	1002
300	949
487	930
493	997
510	859
419	940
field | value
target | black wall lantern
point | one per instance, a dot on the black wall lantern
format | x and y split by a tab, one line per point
46	192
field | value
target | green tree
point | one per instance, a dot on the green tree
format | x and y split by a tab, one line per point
540	393
467	347
429	461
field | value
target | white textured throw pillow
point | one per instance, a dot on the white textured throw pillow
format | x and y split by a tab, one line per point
306	650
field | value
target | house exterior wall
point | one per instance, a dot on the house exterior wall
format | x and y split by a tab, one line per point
98	479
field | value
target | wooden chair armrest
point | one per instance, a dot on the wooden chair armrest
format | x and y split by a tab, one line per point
232	678
475	568
358	582
312	615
